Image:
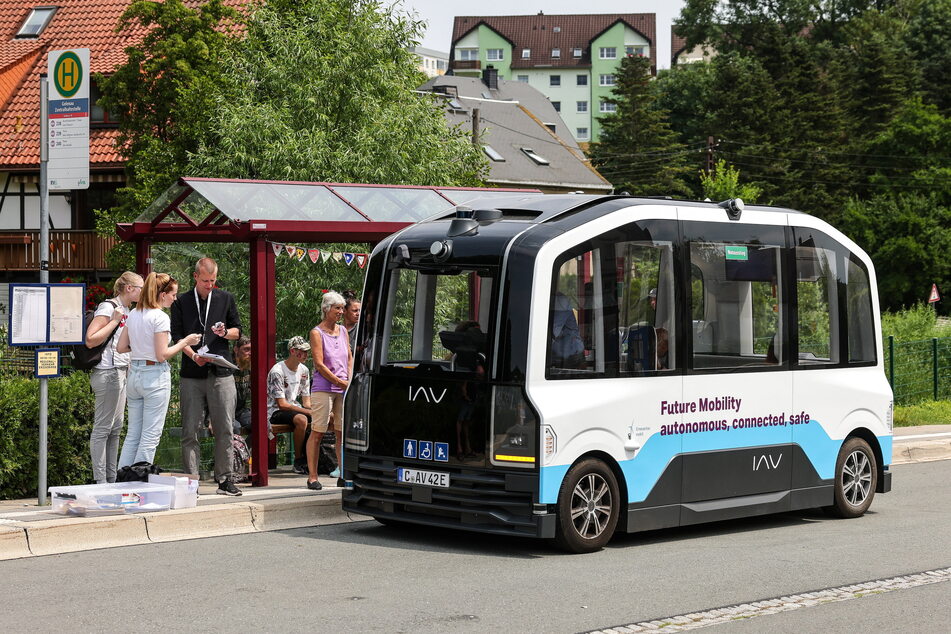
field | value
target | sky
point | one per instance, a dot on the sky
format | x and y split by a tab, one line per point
439	14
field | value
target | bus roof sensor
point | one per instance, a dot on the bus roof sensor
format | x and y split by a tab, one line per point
733	206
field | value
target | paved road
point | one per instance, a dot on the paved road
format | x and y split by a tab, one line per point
364	577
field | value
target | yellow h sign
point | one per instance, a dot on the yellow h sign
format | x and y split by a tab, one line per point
68	74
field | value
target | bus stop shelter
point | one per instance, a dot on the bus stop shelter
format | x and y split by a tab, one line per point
262	212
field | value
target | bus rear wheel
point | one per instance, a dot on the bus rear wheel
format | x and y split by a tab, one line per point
856	476
588	507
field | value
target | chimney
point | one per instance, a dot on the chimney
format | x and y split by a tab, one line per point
490	77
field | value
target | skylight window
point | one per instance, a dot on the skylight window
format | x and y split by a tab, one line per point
35	22
536	158
493	154
454	104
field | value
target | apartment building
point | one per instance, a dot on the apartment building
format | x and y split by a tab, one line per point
571	59
432	63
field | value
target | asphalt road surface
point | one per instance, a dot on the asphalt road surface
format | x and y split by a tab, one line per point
366	577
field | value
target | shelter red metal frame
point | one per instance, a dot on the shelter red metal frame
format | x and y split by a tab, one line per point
218	226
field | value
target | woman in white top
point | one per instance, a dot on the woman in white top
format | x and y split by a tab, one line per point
108	378
146	335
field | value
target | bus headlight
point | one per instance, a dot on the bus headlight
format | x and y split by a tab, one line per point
514	428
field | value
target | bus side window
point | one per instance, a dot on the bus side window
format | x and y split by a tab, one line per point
737	320
817	295
646	306
859	307
576	319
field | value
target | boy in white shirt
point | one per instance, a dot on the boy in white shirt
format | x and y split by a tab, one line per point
286	381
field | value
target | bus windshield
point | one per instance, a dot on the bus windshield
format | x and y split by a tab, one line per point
439	319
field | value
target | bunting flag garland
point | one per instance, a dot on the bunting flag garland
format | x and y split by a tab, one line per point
291	249
278	247
361	259
348	258
300	253
325	255
314	255
338	257
318	256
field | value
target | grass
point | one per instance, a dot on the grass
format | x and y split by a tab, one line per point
927	413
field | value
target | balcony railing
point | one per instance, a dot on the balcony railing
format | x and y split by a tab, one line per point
70	250
459	64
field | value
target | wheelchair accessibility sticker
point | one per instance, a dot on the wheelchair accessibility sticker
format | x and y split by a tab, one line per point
425	450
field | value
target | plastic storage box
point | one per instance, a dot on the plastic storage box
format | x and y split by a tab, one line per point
185	494
111	499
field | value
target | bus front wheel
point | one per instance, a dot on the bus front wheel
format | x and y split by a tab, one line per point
856	476
588	507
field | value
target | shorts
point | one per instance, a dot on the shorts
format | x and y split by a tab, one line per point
284	417
322	405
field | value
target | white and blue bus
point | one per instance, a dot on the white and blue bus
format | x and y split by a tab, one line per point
565	366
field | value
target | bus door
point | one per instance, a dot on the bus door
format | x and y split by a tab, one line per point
737	390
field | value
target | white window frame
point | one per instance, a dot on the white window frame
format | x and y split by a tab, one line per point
582	133
526	53
607	79
495	54
522	78
468	54
606	106
607	52
556	53
581	106
576	52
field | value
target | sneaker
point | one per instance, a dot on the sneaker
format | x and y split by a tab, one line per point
227	487
300	466
335	473
314	486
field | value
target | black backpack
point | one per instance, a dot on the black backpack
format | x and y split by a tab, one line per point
138	472
84	358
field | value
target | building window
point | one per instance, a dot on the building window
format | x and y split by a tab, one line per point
556	105
494	55
582	133
526	53
556	53
98	114
552	127
582	106
576	52
554	80
36	22
634	50
468	54
536	158
607	106
522	78
607	80
493	154
608	52
582	80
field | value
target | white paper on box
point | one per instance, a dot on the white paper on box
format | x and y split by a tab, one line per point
185	494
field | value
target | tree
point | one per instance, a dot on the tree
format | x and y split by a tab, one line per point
160	96
638	151
927	38
324	90
724	182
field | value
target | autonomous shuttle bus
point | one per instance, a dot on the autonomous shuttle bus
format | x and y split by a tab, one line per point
564	366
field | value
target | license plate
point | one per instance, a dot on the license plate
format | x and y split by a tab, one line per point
418	476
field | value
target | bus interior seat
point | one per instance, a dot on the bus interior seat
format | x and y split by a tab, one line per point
640	348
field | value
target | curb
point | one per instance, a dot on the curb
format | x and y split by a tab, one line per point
20	539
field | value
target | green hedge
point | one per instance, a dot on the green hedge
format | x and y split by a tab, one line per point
71	412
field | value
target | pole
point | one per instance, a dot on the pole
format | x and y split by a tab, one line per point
934	366
475	126
711	145
44	279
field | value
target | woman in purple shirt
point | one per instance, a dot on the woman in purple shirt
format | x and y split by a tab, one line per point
333	367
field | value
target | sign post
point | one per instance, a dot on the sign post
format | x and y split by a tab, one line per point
934	297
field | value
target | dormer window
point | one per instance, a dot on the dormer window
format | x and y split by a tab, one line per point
35	22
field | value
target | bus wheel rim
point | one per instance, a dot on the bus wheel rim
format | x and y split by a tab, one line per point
591	506
857	478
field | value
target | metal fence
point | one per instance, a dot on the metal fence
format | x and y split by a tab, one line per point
919	370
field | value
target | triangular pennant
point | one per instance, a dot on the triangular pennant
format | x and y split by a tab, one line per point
325	255
278	247
338	256
361	259
300	253
314	255
934	297
291	249
348	258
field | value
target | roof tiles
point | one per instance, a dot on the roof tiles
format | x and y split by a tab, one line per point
541	33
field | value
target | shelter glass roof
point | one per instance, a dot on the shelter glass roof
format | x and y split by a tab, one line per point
244	201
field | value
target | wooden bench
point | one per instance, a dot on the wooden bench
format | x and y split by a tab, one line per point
272	444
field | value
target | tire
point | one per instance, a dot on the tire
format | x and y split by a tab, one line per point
588	507
856	476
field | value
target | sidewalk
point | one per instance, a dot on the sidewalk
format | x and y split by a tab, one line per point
27	530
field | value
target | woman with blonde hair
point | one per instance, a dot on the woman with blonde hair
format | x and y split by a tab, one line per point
146	335
108	378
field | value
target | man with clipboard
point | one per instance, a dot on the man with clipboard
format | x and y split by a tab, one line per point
207	381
